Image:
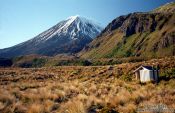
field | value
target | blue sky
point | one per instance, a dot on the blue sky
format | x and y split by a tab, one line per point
21	20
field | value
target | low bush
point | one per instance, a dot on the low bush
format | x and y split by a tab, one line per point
77	62
4	62
126	77
167	74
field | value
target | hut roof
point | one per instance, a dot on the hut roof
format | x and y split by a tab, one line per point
146	67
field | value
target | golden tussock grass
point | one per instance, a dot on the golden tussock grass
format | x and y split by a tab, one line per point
90	89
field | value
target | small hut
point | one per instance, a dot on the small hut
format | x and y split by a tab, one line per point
146	74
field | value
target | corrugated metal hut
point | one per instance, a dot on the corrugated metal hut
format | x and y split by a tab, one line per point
146	74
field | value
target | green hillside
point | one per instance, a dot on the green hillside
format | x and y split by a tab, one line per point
136	34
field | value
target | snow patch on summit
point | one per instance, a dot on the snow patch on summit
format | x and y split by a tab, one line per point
73	27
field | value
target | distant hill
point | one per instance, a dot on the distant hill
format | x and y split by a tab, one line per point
68	36
149	34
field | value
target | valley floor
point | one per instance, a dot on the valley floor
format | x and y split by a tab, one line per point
80	89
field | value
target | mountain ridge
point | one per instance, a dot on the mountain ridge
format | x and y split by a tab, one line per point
68	36
148	34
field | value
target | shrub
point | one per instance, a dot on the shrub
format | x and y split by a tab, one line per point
38	62
78	62
5	62
167	74
126	77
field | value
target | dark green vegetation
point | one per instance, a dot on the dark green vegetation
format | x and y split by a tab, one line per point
35	61
4	62
149	35
30	61
168	74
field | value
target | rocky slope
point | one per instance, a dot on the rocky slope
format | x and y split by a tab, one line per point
150	34
68	36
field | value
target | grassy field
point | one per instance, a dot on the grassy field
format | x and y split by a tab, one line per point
85	89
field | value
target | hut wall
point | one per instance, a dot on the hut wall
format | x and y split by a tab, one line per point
137	74
156	75
146	75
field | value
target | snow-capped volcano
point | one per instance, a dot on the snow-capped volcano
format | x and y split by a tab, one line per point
73	26
68	36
